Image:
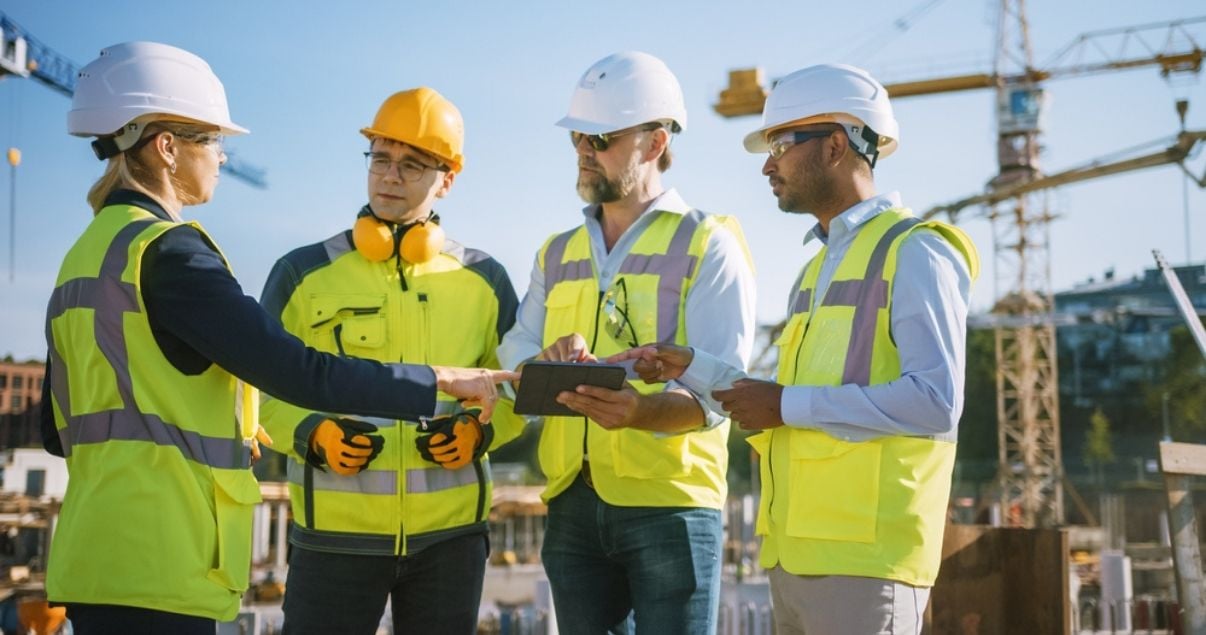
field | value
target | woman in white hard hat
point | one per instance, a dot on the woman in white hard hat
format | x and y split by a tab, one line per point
149	338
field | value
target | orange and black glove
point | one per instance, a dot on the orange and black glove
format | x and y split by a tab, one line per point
452	442
346	446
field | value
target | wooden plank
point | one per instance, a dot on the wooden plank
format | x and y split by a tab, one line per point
1187	557
999	581
1183	458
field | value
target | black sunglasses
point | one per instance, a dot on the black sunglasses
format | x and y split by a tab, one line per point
601	142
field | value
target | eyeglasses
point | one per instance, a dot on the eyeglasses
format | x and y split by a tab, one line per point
408	168
783	142
211	140
601	142
615	314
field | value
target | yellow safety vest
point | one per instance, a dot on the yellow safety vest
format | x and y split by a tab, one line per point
631	467
159	503
873	508
442	312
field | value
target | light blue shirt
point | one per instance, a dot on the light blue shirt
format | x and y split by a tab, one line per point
928	324
720	307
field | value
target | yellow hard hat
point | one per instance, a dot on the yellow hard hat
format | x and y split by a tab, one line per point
424	119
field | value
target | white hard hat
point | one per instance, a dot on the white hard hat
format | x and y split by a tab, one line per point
831	93
625	90
140	80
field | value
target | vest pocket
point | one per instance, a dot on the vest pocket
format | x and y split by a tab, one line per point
236	492
639	454
561	308
834	488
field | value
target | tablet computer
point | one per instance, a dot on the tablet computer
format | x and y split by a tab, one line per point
541	382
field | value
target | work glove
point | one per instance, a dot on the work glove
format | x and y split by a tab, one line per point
452	442
347	446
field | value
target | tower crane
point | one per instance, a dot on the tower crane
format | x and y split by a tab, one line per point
22	55
1030	472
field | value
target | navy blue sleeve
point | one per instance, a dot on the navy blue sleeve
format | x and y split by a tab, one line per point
191	294
50	432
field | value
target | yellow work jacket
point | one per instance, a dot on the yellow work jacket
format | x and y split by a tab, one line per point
450	311
873	508
631	467
158	506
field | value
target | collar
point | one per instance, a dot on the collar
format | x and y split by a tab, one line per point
854	216
668	201
137	199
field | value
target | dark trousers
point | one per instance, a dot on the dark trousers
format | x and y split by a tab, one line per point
434	591
105	619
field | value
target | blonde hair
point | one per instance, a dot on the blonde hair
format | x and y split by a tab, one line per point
127	169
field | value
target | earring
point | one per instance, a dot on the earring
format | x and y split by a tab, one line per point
172	168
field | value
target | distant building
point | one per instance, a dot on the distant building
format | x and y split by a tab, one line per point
1115	331
20	396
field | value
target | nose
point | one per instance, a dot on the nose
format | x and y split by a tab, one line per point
221	157
582	147
770	166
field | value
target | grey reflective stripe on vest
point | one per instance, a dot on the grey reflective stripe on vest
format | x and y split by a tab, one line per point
385	482
110	298
867	296
556	271
441	408
436	479
803	301
381	482
672	268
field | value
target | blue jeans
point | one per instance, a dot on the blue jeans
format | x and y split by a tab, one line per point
335	593
622	570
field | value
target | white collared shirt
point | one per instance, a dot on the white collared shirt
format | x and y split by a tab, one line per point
928	324
720	307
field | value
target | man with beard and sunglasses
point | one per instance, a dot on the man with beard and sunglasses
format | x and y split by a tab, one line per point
858	433
635	484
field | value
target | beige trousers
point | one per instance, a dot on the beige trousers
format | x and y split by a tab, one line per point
845	605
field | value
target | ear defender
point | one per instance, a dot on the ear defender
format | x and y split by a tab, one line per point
416	242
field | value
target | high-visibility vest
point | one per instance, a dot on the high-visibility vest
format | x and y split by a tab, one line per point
872	508
159	503
442	312
631	467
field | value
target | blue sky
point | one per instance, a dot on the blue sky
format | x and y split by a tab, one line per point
305	77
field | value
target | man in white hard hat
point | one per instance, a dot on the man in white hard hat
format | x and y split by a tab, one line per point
635	484
858	433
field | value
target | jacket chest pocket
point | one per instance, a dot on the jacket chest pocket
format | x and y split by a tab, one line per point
347	324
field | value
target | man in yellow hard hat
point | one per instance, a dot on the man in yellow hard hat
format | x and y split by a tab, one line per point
382	508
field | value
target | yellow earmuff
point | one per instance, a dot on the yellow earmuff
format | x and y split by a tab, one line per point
420	242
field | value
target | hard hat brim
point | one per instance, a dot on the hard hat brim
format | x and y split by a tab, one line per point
755	142
584	126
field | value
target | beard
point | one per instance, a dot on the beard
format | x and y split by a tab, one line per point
594	187
808	188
